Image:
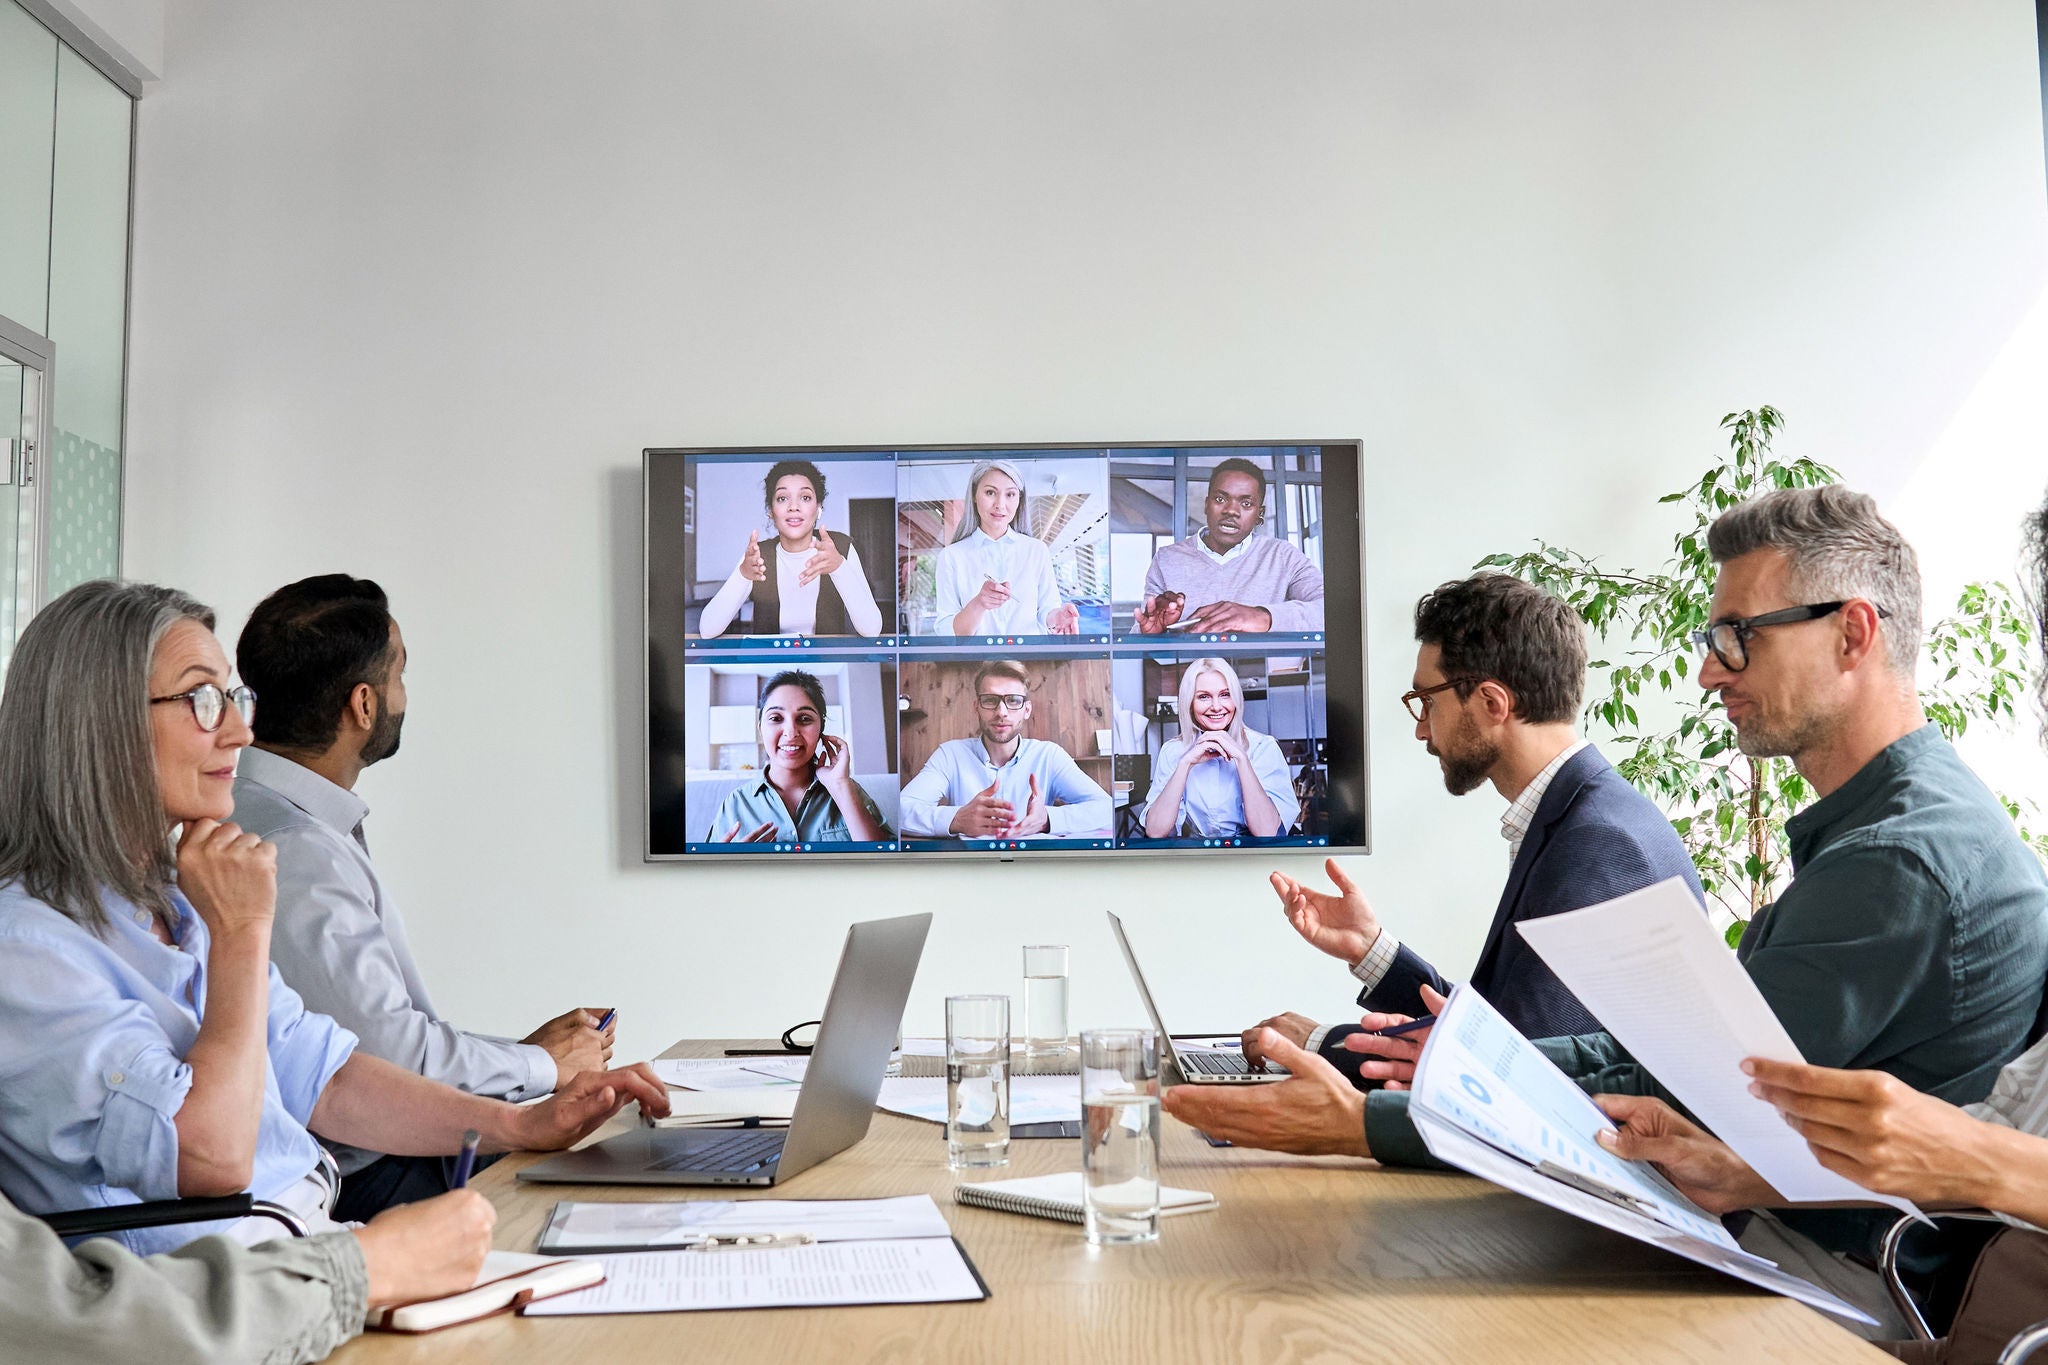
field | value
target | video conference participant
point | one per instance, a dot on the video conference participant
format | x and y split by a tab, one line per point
996	577
1888	1137
1001	784
212	1300
1913	938
328	660
1499	672
148	1047
810	582
1219	778
806	793
1225	577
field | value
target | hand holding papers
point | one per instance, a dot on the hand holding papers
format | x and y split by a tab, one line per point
1652	969
1489	1103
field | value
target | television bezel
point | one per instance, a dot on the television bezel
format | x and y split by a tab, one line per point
900	856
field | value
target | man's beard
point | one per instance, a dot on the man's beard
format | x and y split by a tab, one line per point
383	740
1760	738
1466	769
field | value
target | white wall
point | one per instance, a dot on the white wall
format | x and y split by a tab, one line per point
415	283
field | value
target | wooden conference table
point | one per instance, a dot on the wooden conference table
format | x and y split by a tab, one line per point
1308	1259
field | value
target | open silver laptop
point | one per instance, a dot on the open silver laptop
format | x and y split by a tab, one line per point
833	1110
1196	1066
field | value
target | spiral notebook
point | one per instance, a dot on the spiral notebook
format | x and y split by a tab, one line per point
1059	1196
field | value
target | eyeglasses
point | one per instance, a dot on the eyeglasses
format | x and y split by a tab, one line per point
1728	641
210	705
1418	701
1015	701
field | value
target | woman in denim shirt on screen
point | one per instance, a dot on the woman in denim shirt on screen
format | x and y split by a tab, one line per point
806	793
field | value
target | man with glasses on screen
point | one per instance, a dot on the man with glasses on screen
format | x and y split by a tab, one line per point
1224	577
1913	936
1000	784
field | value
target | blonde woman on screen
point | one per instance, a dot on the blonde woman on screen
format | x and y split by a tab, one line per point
995	576
1219	778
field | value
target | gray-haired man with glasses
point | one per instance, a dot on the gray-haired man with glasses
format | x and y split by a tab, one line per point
1000	784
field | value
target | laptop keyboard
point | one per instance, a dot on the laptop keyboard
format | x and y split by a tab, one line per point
737	1154
1214	1063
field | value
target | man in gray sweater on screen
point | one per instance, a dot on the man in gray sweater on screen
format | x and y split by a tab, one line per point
1228	578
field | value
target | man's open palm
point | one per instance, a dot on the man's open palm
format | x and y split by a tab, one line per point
1342	925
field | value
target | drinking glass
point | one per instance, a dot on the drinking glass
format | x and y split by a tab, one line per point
977	1081
1045	999
1120	1135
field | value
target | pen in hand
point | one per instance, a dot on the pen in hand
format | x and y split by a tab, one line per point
606	1022
466	1162
1402	1030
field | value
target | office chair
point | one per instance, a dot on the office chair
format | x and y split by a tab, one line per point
165	1212
2021	1348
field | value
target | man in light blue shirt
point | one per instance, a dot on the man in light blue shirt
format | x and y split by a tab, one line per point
328	661
999	784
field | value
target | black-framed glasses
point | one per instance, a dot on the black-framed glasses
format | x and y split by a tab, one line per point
1418	701
1012	701
210	705
1728	641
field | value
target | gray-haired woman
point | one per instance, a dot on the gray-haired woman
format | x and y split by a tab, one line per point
148	1050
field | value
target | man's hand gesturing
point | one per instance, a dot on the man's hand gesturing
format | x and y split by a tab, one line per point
1342	925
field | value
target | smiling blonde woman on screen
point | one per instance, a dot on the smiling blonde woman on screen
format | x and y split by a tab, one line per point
995	576
1220	778
806	793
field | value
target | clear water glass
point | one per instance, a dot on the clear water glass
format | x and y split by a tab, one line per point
1045	1000
977	1081
1120	1135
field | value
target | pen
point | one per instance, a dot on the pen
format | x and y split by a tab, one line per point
1402	1030
466	1162
753	1241
606	1022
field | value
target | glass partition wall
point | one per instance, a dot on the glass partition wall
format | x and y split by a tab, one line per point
66	138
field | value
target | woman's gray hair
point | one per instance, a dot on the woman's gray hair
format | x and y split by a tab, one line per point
971	523
78	781
1838	548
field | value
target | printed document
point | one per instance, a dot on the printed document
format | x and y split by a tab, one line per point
577	1227
1489	1103
918	1270
1033	1099
1652	969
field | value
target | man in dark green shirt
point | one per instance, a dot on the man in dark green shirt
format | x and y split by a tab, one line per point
1914	936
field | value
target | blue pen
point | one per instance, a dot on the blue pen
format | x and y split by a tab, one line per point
466	1162
1412	1026
606	1022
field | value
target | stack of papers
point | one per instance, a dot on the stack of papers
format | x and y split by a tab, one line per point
724	1073
867	1251
1489	1103
1033	1099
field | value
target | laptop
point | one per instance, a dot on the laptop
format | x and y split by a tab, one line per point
1197	1067
833	1109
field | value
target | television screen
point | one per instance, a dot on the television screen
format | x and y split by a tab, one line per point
1005	651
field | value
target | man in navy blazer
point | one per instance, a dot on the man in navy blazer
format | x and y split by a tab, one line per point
1498	679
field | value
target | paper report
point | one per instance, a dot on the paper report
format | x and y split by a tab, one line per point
1651	968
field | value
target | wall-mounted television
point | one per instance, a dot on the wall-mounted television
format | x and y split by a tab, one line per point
1015	651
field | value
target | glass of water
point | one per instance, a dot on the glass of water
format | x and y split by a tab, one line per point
1120	1135
1045	999
977	1081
